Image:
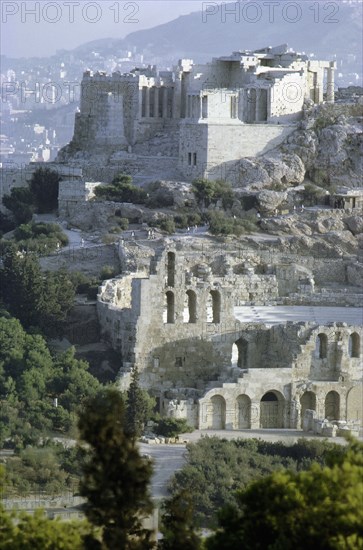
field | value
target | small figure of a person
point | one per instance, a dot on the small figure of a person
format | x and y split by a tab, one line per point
302	208
82	242
132	234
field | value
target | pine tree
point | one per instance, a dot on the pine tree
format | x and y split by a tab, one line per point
115	478
139	406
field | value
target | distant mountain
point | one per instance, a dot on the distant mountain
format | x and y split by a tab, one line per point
325	29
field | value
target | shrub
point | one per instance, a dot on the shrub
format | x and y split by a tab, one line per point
165	224
107	272
40	237
121	190
172	427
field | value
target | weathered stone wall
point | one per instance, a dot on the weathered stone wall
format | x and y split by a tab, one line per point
176	323
217	144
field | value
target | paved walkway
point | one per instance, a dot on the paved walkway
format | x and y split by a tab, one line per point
276	315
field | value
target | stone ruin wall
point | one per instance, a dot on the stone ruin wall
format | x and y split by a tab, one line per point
210	372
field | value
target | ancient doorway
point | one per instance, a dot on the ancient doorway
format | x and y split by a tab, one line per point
321	349
218	413
332	405
214	307
170	307
272	410
190	307
354	345
307	401
244	412
355	404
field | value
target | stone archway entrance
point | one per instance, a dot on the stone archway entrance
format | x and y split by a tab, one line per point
272	410
307	401
218	420
332	405
244	412
355	404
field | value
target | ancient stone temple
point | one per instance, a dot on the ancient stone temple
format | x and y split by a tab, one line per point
207	115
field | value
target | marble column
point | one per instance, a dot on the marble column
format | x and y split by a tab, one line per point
147	102
156	102
330	96
165	102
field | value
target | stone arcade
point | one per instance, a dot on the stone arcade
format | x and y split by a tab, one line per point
180	321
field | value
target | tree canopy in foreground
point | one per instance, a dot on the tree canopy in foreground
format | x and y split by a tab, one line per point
321	508
116	478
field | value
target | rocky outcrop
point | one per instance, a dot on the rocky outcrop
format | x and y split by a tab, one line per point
326	147
281	169
354	224
270	200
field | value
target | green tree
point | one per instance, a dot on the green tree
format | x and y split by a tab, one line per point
320	508
177	525
172	427
20	531
20	204
44	186
139	406
36	299
203	190
29	380
21	286
115	479
121	189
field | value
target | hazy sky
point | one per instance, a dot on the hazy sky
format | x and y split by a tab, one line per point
39	28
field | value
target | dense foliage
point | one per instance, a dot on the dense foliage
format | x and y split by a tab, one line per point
139	407
42	238
30	379
37	299
41	195
217	468
20	202
222	224
164	224
50	469
44	186
320	508
177	523
172	427
209	192
20	531
121	190
115	478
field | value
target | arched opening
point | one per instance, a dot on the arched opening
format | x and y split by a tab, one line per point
218	420
321	349
170	269
170	307
244	412
355	404
191	309
214	307
332	405
272	410
307	401
240	353
354	345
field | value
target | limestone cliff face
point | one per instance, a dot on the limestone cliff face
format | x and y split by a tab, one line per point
326	147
